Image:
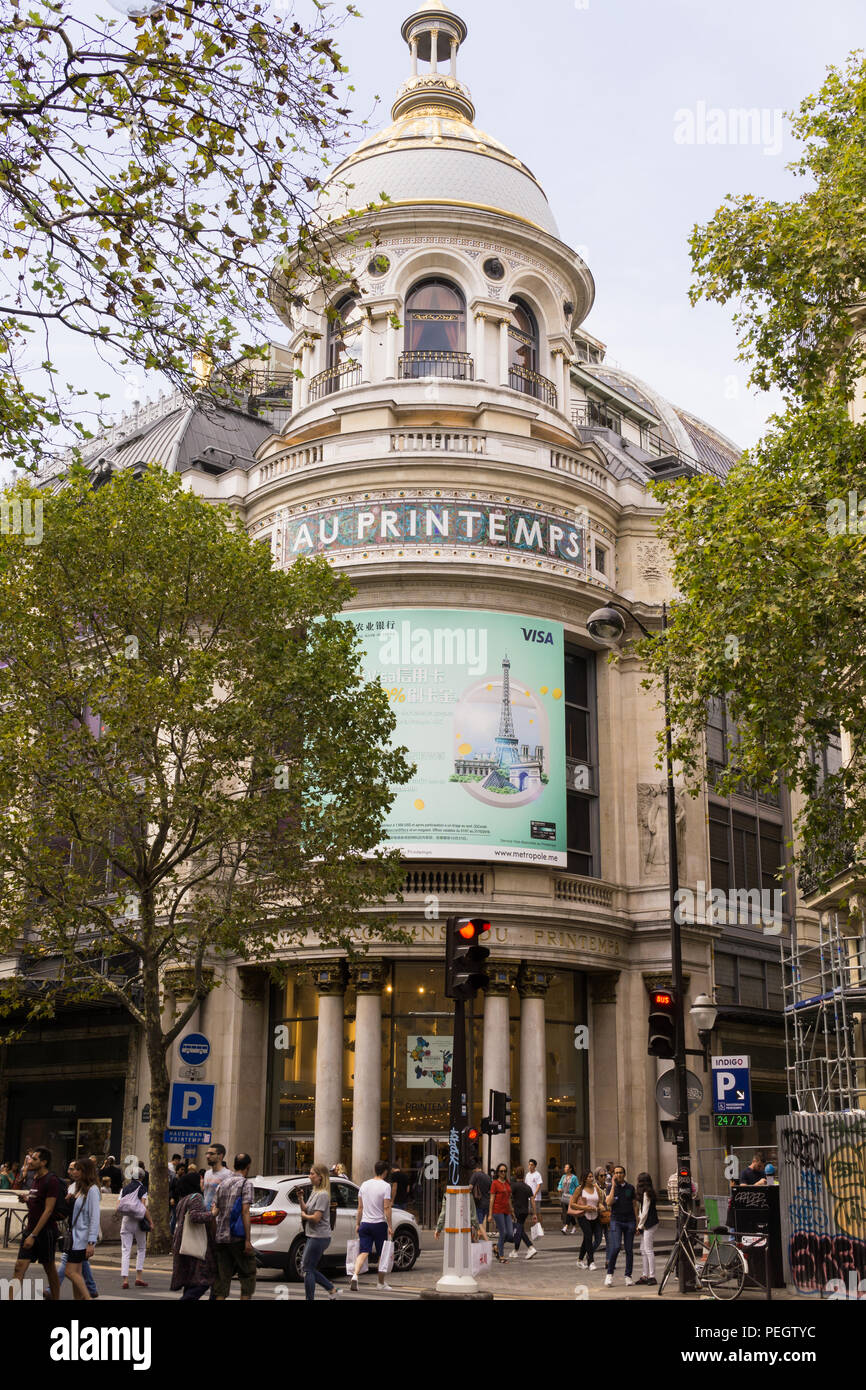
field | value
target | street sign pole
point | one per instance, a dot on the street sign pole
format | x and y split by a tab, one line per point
456	1257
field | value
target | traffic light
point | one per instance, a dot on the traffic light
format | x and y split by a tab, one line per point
465	956
500	1112
662	1024
469	1147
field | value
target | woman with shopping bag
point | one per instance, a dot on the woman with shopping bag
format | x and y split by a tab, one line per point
194	1266
316	1213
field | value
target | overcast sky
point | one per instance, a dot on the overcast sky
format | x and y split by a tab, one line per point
611	104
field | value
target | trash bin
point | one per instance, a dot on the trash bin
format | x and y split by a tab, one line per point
756	1212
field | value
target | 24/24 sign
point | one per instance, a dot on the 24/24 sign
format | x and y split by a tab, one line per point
732	1090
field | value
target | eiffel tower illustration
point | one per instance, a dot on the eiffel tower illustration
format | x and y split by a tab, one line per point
507	751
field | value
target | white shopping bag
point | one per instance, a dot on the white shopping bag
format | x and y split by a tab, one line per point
386	1259
537	1231
353	1250
481	1253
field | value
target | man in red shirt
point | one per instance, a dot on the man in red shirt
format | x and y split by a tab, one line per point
39	1239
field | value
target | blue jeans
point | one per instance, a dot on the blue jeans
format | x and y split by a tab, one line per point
519	1232
85	1270
621	1232
313	1252
505	1229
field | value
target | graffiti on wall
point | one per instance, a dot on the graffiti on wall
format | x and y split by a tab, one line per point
824	1200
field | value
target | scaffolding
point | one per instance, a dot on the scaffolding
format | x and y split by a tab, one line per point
824	988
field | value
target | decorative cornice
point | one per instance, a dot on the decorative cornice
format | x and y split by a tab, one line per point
253	984
368	977
502	976
329	978
533	981
663	980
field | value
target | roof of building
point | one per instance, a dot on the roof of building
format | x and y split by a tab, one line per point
433	152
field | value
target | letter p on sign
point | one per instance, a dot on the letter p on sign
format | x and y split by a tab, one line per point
191	1104
725	1081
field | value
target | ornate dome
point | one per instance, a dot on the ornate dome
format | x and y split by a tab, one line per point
433	153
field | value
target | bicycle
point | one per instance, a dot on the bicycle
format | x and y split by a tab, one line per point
722	1269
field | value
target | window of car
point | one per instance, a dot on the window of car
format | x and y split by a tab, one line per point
344	1194
301	1189
264	1196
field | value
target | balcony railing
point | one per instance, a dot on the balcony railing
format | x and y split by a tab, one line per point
594	415
453	366
338	378
833	853
532	384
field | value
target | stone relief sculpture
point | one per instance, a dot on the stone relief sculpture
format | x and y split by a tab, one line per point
652	819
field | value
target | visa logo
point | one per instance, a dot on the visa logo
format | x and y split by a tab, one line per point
534	634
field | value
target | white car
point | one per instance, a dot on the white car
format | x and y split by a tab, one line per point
277	1234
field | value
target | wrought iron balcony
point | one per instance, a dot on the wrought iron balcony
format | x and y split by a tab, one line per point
829	857
337	378
532	384
453	366
594	415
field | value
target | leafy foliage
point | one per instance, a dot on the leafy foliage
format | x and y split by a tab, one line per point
770	566
151	171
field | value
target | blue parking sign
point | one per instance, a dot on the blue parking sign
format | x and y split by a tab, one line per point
191	1105
732	1091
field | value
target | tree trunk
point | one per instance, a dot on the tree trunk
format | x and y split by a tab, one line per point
157	1206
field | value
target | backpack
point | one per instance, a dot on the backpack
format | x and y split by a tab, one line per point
130	1203
236	1220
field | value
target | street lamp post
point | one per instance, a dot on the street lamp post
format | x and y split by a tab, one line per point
607	625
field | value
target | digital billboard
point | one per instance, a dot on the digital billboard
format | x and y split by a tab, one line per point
478	699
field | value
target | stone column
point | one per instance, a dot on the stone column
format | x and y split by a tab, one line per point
533	984
390	350
302	384
503	352
480	346
496	1056
368	979
604	1131
366	350
330	982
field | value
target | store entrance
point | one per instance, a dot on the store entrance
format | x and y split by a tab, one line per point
286	1157
425	1158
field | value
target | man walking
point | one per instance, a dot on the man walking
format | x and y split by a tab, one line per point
217	1172
479	1190
535	1181
39	1237
233	1198
373	1225
622	1204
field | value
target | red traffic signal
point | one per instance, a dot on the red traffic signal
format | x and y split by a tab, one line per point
465	956
662	1040
472	927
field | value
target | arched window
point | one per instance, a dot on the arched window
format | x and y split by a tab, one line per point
436	332
523	374
344	333
523	337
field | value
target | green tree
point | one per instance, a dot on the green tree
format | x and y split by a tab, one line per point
191	768
152	169
770	566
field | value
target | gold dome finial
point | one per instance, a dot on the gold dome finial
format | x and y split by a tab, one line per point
434	34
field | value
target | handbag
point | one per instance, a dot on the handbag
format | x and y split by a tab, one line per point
193	1242
481	1256
353	1250
386	1259
130	1203
604	1216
